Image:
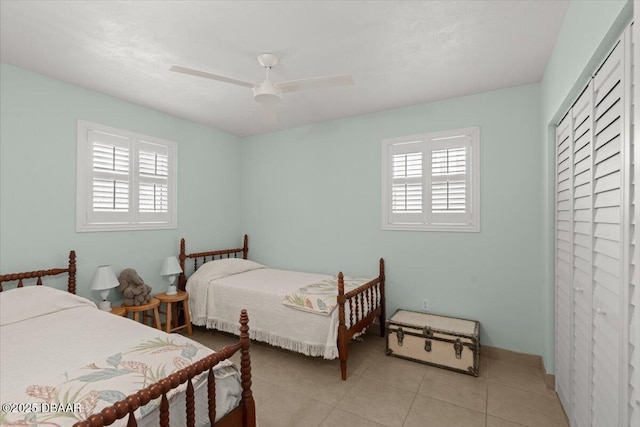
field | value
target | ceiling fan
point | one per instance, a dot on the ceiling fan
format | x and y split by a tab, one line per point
268	94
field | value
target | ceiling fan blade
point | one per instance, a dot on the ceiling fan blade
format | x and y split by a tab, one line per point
197	73
315	83
269	116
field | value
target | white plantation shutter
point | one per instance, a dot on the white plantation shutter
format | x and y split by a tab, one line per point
110	195
406	193
125	180
431	181
407	182
153	178
110	170
153	197
450	180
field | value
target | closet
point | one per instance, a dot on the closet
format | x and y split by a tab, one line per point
594	247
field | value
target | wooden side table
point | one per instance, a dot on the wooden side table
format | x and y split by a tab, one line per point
152	305
171	311
119	311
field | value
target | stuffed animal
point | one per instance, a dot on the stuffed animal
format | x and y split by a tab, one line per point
135	291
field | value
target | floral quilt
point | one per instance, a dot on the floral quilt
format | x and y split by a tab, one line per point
75	395
320	297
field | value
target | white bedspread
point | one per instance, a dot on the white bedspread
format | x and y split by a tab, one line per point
45	332
215	300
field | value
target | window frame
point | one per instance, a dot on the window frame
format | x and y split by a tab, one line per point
88	220
428	220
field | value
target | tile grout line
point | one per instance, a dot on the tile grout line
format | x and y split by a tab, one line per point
345	393
486	402
415	396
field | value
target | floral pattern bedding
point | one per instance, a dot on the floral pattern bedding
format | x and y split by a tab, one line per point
320	297
75	395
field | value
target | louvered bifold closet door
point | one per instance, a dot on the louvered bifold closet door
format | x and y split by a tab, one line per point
582	120
634	289
596	362
608	267
564	262
634	294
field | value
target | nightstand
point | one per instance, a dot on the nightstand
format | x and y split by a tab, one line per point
172	311
151	306
119	311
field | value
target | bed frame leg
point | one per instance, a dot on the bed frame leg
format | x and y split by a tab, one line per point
342	328
343	353
245	372
245	246
182	279
383	316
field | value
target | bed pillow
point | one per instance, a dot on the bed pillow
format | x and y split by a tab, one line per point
20	304
219	268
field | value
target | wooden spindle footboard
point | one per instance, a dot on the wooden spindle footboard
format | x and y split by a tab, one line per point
365	303
243	415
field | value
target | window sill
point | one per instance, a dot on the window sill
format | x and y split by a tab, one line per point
462	228
88	228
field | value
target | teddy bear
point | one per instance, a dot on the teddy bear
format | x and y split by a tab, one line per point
135	291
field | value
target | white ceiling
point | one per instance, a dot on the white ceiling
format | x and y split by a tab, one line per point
399	52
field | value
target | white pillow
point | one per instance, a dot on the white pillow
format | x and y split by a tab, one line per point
224	267
20	304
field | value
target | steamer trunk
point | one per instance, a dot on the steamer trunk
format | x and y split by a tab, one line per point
447	342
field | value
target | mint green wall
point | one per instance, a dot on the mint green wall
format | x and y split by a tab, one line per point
311	201
589	30
310	197
38	181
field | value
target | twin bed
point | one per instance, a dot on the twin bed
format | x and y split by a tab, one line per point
293	310
64	362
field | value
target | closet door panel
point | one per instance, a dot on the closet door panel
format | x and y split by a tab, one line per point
582	256
634	254
564	263
607	262
634	292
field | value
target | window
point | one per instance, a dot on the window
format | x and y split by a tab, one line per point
125	181
432	181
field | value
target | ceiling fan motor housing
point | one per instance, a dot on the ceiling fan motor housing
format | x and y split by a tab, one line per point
267	93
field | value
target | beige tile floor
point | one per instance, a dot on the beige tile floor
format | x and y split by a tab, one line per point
295	390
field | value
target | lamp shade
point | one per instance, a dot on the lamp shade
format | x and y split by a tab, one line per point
170	266
104	278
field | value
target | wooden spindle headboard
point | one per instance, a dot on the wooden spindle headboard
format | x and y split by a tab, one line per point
39	274
200	258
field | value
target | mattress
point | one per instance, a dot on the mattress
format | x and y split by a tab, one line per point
47	334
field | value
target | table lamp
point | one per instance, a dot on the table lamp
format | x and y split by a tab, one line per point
104	279
170	269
